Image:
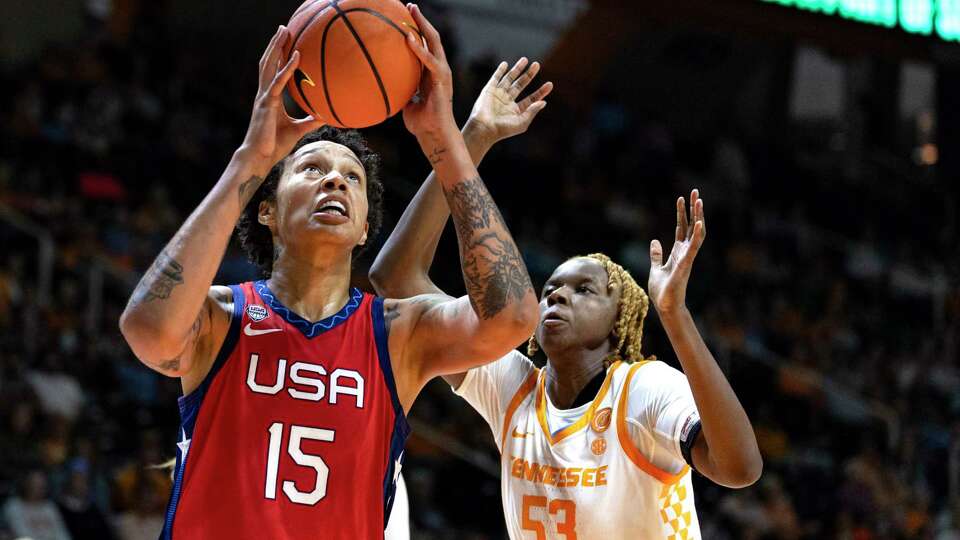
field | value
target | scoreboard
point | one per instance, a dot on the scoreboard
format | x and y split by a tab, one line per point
939	18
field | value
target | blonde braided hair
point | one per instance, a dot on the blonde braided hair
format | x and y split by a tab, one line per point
631	312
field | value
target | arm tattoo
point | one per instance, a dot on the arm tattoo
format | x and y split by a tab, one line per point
158	282
493	269
248	188
174	363
436	156
390	314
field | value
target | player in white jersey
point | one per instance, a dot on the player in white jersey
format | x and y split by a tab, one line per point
600	442
610	468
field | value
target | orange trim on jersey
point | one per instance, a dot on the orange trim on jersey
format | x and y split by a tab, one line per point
518	398
583	421
626	443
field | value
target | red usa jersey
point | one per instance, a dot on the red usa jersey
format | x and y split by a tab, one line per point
297	431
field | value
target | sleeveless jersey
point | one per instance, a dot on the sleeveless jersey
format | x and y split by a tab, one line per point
296	432
588	480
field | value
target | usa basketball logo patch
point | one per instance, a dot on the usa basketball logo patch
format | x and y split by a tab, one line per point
601	420
256	313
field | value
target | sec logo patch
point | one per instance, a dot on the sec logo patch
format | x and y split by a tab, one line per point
601	421
256	313
598	447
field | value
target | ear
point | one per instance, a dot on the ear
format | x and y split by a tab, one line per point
267	214
363	239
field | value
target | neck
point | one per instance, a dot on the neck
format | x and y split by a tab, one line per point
568	372
315	286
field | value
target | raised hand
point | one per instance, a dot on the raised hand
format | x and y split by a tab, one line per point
434	108
668	280
272	133
497	114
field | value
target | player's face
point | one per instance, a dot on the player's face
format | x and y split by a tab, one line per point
578	308
322	194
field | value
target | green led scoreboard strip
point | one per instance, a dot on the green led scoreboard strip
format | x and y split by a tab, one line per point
939	18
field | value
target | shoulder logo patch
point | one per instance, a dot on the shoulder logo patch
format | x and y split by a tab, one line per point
601	420
256	313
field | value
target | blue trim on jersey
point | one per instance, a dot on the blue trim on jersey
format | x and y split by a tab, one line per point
380	334
401	428
398	440
309	329
190	408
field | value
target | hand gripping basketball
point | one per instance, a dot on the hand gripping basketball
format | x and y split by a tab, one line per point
272	132
433	110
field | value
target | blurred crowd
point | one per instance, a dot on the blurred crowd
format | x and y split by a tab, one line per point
831	298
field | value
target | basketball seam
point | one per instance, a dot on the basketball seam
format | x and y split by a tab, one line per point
384	18
392	24
304	8
293	47
306	25
303	96
366	54
323	63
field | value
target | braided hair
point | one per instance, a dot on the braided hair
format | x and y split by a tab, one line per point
632	309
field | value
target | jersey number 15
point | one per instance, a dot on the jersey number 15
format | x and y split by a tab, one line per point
297	435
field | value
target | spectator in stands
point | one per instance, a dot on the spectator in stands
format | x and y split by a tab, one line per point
32	514
82	517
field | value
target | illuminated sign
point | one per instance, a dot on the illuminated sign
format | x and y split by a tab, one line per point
924	17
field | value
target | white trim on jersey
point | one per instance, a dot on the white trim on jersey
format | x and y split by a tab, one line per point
398	526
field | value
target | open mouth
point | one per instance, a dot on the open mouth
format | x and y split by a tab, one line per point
332	207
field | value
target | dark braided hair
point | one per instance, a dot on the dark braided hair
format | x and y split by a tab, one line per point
257	240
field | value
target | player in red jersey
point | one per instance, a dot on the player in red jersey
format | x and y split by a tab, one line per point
296	387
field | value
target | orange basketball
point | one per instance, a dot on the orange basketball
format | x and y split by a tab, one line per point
356	69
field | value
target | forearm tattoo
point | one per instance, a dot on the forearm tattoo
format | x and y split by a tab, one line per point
436	155
493	269
158	282
248	188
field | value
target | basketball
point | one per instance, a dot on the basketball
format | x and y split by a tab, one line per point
356	69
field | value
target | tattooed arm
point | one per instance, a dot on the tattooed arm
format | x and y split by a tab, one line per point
173	307
401	269
451	335
174	316
437	335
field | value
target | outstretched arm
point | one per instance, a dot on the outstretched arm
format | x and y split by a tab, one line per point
401	269
442	334
726	452
173	310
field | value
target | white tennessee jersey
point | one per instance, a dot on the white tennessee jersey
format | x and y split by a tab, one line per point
611	469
